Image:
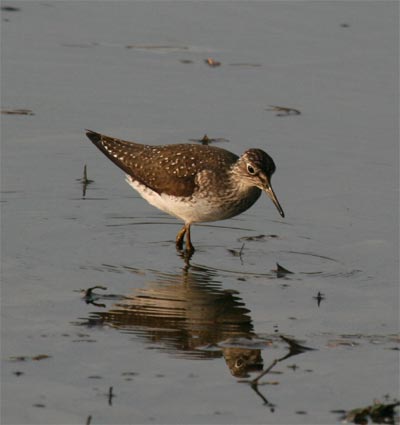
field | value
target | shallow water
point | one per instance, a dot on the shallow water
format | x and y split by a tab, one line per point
179	341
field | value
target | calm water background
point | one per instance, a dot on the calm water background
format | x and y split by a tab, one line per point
169	337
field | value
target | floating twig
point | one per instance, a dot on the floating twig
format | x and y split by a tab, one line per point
281	271
207	140
283	111
90	297
17	112
10	9
378	413
25	358
41	357
237	253
211	62
85	181
252	238
294	347
88	292
110	396
319	298
258	237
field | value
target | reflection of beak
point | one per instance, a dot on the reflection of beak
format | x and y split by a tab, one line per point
269	191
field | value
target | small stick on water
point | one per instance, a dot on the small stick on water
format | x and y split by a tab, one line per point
85	181
237	253
90	297
88	292
281	271
89	420
319	298
207	140
282	111
17	111
110	396
212	62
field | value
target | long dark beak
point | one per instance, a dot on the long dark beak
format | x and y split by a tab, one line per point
270	192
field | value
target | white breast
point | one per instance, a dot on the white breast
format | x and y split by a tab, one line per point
186	209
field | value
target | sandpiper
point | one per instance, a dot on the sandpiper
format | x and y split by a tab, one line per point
195	183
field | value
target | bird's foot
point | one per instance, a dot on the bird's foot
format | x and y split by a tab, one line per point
189	248
179	238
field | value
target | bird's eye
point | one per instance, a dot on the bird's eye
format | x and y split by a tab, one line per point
250	169
239	363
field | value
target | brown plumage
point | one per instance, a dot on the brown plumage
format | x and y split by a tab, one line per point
169	169
196	183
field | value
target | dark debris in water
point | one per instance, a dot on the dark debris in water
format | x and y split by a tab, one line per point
292	366
377	413
17	112
26	358
283	111
90	297
130	374
205	140
84	181
236	252
320	297
89	292
111	395
41	357
10	9
156	47
258	238
295	347
212	62
281	271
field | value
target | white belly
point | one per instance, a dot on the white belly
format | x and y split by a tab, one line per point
186	209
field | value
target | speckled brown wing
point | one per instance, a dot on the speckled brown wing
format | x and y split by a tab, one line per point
169	169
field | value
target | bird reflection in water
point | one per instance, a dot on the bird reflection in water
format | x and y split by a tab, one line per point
188	315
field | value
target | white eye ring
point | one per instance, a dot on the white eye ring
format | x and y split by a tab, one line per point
250	169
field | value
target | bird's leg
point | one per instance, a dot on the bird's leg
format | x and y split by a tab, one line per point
189	246
179	238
